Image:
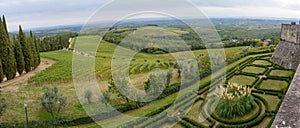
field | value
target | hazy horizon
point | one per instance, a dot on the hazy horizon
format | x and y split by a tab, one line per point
45	13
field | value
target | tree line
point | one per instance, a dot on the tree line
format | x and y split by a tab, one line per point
57	42
230	36
21	54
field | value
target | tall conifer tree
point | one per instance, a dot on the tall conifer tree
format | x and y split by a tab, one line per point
25	49
37	49
1	72
5	26
34	55
7	54
19	56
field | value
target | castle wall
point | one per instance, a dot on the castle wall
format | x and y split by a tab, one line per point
287	53
298	35
289	33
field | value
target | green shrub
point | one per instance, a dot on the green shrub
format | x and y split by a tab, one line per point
235	101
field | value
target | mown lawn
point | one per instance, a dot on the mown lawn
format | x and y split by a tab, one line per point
273	84
262	62
264	123
242	80
280	73
273	101
253	69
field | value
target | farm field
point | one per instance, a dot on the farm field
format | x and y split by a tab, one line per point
141	62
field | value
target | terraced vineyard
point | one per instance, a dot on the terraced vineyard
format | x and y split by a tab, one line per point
61	71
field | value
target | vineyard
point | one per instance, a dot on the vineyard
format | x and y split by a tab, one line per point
61	71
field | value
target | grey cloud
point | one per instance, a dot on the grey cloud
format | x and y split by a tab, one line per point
36	13
235	3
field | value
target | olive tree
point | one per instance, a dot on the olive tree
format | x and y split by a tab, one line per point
157	82
53	102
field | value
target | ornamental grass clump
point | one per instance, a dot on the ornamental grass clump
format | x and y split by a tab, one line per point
235	101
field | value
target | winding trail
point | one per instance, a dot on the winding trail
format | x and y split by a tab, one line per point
45	63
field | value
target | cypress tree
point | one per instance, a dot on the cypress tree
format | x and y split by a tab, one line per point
37	48
1	72
7	54
34	55
25	49
5	26
42	45
19	56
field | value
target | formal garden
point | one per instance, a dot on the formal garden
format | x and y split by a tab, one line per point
268	83
251	97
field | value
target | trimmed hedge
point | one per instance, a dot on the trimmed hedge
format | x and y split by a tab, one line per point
263	100
194	123
186	124
254	122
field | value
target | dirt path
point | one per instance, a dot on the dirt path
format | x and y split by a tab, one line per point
45	63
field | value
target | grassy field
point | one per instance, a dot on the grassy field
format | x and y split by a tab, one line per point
242	79
273	101
280	73
253	69
273	84
262	62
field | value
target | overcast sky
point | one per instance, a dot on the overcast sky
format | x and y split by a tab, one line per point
41	13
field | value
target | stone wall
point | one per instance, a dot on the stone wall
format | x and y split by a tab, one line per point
289	32
289	112
287	53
